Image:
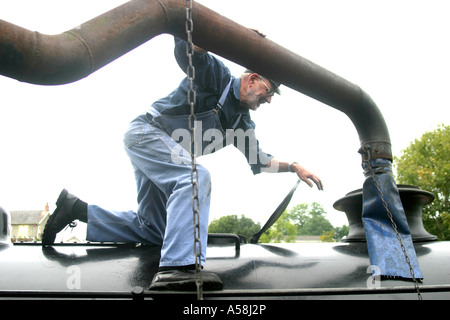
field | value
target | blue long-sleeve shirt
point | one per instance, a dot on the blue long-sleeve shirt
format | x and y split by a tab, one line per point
211	78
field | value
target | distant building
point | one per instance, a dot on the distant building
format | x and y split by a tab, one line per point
307	239
28	225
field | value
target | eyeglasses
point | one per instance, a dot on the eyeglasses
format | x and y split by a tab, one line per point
270	93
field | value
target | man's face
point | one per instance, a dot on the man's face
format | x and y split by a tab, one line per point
258	92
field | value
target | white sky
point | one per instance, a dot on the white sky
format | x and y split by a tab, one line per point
70	136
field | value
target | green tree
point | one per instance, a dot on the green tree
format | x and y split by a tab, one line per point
299	215
328	236
425	164
303	219
282	230
310	219
340	232
232	224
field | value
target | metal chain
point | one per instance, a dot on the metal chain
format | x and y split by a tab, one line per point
394	226
191	97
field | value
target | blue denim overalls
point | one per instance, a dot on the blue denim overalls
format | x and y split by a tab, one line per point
164	190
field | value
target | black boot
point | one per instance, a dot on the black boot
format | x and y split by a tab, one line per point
68	209
185	280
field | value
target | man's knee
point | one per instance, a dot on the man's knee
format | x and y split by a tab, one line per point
204	177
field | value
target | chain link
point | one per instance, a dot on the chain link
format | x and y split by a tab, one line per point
394	226
191	98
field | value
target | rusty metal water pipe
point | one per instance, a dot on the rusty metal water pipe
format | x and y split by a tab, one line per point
72	55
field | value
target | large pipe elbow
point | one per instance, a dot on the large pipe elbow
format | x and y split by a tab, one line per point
41	59
72	55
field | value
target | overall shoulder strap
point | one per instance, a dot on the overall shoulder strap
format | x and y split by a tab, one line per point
224	95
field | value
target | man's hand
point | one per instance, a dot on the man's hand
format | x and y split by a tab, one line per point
306	176
277	166
199	50
259	32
